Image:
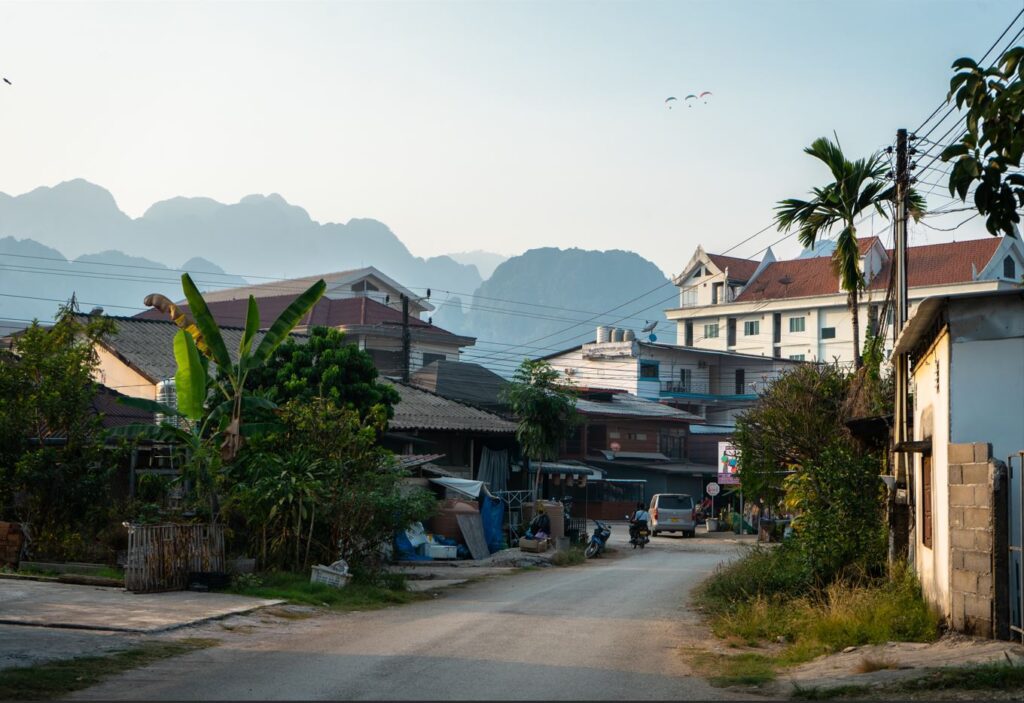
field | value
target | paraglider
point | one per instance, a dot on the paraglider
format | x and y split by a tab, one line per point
669	101
688	99
705	95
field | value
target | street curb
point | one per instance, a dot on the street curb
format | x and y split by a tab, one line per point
143	631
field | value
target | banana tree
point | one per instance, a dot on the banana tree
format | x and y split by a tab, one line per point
199	342
209	436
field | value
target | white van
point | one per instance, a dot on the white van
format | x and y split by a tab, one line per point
673	512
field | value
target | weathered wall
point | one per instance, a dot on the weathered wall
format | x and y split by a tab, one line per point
978	547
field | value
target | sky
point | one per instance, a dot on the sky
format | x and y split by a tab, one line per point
478	125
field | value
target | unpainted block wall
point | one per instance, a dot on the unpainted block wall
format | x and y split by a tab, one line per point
978	550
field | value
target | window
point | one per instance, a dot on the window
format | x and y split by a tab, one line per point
828	332
796	324
638	436
688	333
716	293
363	286
751	328
688	298
648	369
741	378
685	380
1009	268
926	500
796	357
698	273
711	331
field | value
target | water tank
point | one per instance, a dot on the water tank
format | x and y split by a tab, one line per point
166	394
604	334
618	334
628	336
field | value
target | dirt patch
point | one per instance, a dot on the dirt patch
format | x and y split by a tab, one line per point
874	666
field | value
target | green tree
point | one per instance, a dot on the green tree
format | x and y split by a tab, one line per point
54	470
325	482
857	186
990	151
203	425
544	408
200	342
786	428
325	365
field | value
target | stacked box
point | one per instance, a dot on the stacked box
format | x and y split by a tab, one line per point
10	543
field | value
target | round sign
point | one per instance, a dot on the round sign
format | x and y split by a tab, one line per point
712	489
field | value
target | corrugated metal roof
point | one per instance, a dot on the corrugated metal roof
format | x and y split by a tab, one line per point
422	410
148	345
462	381
629	405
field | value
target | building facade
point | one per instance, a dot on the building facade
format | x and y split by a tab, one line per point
796	309
713	385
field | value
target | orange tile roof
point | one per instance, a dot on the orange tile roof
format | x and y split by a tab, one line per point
739	269
927	265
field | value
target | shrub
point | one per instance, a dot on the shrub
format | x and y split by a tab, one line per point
763	572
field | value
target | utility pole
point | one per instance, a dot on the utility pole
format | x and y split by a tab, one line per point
900	508
406	339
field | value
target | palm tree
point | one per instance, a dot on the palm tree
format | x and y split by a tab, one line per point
858	186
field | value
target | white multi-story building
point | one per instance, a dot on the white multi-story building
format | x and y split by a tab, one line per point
796	309
714	385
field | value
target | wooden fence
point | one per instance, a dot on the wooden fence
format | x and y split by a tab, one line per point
160	557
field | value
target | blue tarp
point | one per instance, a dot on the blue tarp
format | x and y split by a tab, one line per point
404	551
492	512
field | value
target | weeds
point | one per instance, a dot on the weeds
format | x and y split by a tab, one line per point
993	677
870	664
569	557
56	679
747	669
387	589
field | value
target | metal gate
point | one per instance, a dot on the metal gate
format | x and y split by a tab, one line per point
160	557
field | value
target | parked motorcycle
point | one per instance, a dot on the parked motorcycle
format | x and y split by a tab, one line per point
639	535
602	531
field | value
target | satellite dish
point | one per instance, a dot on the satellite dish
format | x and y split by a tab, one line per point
650	327
652	337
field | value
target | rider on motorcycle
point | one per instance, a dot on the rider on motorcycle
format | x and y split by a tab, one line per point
638	521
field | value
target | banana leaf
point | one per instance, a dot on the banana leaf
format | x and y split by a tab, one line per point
286	322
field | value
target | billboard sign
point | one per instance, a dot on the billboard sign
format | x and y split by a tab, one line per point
728	464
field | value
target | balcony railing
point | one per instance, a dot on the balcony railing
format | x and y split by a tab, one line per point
725	389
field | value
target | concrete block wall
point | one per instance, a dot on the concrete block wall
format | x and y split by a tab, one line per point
978	550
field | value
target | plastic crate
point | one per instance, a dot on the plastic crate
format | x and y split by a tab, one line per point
328	576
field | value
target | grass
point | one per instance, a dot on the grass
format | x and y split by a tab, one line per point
821	621
570	557
981	677
748	669
296	589
56	679
106	572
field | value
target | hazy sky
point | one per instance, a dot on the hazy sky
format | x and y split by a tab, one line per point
466	125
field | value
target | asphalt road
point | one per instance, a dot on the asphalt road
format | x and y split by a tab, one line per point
610	629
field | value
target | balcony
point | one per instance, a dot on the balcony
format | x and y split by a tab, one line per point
708	392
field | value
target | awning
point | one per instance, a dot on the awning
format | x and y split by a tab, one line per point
463	486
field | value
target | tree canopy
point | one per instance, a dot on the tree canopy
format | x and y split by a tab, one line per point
989	152
325	365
